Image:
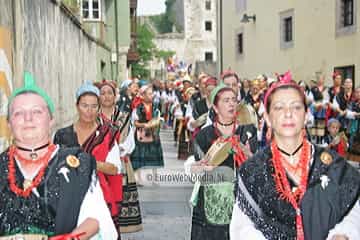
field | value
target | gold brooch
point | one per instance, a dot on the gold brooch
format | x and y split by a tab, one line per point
326	158
72	161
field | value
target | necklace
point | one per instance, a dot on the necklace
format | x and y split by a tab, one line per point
28	185
238	154
225	124
291	155
33	153
283	186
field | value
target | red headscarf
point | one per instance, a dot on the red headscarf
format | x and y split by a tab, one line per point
284	80
228	73
105	82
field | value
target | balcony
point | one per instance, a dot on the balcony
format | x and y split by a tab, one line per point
133	4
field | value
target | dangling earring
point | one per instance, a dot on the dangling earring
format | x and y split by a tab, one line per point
269	134
303	133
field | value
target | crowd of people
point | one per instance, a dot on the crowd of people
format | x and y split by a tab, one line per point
281	148
285	143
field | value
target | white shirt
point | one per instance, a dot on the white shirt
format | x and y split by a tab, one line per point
349	226
93	199
241	227
113	157
94	206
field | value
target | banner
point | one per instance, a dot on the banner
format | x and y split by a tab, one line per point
5	84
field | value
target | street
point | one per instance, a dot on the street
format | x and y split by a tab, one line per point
166	212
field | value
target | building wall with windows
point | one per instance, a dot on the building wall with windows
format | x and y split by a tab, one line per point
109	22
307	37
197	42
200	29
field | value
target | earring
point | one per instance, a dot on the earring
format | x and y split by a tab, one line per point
303	133
269	134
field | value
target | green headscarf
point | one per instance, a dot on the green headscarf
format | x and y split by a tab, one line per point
216	90
30	86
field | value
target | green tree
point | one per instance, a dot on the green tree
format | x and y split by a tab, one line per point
147	51
164	22
162	54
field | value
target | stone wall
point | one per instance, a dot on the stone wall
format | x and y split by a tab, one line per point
6	19
6	68
50	43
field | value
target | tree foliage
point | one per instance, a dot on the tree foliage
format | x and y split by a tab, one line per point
147	51
162	54
164	22
145	48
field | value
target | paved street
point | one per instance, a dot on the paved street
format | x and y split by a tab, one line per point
165	209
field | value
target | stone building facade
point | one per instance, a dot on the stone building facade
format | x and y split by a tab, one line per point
307	37
49	40
198	41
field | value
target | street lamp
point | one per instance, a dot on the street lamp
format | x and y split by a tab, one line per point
246	18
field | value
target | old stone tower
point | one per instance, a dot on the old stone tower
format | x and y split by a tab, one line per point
196	43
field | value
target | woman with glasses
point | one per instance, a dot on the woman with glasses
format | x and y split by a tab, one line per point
98	138
47	189
213	197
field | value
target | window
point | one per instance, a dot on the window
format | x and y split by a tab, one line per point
208	56
240	5
346	72
347	12
240	43
91	9
208	26
102	66
208	5
288	29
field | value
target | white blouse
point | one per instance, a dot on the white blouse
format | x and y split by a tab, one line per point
242	227
349	226
93	205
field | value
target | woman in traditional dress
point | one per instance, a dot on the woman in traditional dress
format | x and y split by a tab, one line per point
291	189
119	116
98	138
223	129
342	102
201	108
335	139
353	114
44	188
183	135
319	105
148	151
